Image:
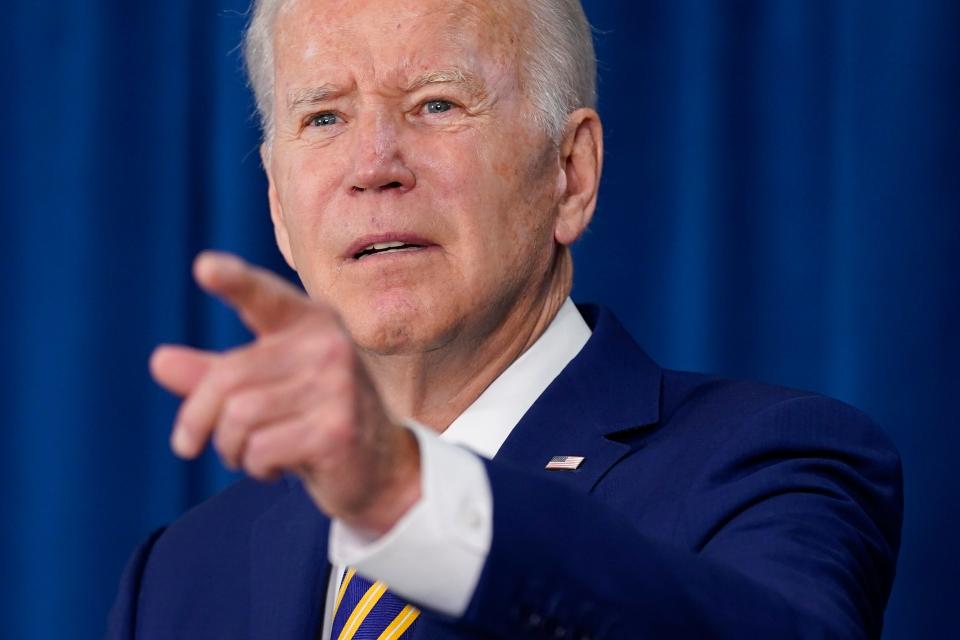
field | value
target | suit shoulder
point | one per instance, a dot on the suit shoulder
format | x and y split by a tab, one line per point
199	568
766	411
739	438
241	501
686	391
217	524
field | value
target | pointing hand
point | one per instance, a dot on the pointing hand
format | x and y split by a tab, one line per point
297	399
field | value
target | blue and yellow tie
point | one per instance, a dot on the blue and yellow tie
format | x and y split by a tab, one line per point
368	611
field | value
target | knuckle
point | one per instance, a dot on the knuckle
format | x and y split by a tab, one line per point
226	375
315	344
241	409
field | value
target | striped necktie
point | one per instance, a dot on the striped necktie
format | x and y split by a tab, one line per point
368	611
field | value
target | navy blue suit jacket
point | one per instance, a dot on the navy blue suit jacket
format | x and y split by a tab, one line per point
704	508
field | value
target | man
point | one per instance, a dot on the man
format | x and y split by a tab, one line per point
430	164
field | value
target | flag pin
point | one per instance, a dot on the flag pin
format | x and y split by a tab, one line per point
564	463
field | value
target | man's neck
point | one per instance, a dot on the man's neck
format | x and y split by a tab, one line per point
436	386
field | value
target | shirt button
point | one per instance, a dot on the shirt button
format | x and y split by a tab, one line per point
472	519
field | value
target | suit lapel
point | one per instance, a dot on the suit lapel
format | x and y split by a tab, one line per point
611	386
289	567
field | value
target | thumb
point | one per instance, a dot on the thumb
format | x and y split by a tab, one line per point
178	369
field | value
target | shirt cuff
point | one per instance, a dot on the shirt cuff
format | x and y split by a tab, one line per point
434	554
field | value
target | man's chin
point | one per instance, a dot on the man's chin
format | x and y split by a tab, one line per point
393	328
388	340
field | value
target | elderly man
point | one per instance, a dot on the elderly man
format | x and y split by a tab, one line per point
440	444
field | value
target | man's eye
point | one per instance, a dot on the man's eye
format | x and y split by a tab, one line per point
322	120
437	106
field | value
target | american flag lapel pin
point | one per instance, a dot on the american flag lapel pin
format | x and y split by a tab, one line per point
564	463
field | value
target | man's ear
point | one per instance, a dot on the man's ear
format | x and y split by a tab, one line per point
581	161
276	211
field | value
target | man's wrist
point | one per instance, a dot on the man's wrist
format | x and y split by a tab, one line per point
402	489
434	554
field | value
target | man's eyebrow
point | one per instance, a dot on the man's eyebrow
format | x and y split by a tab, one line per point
446	76
299	98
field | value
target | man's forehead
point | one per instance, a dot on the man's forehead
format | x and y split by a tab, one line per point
323	50
317	25
337	10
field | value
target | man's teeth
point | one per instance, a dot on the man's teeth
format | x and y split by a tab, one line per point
378	247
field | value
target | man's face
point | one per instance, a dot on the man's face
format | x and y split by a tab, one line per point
404	123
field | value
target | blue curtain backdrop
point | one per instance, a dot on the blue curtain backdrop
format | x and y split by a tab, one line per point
781	202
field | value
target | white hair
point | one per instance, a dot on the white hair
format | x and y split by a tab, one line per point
559	68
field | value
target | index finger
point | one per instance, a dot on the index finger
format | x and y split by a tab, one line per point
265	301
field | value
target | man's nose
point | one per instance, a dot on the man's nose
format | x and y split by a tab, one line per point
378	163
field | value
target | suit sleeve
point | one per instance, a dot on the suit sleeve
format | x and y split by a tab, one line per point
122	622
791	530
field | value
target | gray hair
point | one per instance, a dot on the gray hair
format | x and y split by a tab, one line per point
559	68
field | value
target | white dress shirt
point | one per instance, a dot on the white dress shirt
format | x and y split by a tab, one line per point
436	551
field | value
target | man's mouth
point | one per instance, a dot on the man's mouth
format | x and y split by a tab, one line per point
386	243
385	247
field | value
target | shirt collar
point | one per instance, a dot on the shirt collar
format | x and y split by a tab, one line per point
486	423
